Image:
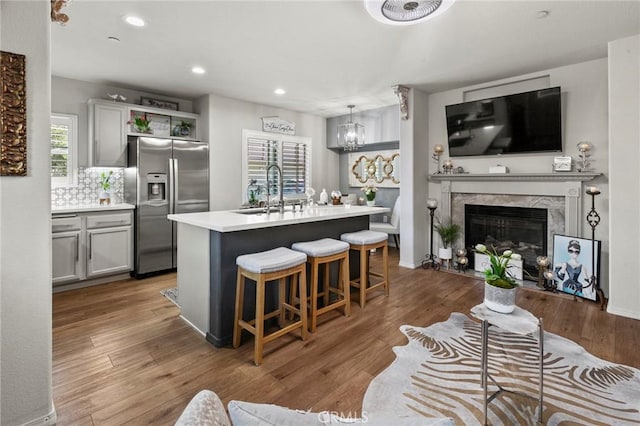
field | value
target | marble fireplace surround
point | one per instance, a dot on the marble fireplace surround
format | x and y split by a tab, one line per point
560	193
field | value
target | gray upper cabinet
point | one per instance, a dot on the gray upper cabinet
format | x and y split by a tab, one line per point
380	125
107	136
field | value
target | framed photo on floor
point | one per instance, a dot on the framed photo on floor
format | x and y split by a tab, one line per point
575	260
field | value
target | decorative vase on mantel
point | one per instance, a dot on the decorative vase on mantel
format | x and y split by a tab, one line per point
499	299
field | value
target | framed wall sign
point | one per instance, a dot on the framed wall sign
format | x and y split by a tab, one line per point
157	103
575	260
278	125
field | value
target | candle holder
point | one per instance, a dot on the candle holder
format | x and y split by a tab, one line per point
583	164
431	260
461	260
548	283
543	264
447	166
437	152
593	219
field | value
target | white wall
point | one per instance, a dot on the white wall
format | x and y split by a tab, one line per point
25	232
624	160
70	96
227	118
584	118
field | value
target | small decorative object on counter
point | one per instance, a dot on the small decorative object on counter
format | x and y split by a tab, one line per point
370	194
309	192
253	193
500	285
105	184
336	197
324	197
182	129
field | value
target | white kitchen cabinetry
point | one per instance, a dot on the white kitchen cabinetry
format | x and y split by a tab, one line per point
107	134
66	255
91	245
109	241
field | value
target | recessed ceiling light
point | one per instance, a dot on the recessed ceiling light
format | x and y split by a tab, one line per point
113	39
279	91
542	14
135	21
197	70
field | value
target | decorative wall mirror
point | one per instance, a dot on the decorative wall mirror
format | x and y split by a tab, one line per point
381	168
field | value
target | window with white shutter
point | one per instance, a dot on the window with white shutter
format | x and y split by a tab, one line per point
63	145
291	153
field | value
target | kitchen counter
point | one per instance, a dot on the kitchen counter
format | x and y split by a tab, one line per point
82	208
209	242
240	220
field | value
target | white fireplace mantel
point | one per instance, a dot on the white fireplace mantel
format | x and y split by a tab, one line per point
566	184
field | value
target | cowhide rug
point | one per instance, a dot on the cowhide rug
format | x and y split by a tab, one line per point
438	374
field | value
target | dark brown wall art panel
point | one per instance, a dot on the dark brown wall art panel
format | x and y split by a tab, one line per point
13	115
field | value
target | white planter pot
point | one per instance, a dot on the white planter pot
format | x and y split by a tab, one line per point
499	299
371	203
104	197
444	253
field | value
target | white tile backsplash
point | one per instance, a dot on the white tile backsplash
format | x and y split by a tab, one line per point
88	189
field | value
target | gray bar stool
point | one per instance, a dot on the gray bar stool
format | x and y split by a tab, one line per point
364	242
324	252
271	265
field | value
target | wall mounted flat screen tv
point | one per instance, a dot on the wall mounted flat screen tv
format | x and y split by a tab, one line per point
513	124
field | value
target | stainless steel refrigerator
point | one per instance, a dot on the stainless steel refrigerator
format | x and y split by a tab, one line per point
163	176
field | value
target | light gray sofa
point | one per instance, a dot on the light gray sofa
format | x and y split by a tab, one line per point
206	409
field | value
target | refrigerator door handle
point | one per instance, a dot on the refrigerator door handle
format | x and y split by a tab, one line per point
172	187
176	185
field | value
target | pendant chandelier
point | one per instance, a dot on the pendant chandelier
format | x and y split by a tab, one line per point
350	135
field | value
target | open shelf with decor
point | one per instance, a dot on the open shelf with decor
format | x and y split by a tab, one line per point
149	121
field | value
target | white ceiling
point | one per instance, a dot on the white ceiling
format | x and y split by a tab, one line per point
326	54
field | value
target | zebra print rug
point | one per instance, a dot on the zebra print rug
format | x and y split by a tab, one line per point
437	374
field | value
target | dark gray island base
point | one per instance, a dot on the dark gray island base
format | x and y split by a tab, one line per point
226	246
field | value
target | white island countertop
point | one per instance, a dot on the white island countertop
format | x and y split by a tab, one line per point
240	220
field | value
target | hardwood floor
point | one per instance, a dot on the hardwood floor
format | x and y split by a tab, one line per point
122	355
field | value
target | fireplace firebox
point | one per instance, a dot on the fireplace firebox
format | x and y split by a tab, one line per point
521	229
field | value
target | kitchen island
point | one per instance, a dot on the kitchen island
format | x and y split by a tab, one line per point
209	242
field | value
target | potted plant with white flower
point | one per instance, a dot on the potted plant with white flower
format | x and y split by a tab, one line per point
370	194
105	184
500	285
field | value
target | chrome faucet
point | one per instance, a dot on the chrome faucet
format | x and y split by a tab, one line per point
280	187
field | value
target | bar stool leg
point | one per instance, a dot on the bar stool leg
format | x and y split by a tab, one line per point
237	330
344	284
303	308
364	275
282	288
259	324
313	301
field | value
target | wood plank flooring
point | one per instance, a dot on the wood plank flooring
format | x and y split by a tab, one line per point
122	355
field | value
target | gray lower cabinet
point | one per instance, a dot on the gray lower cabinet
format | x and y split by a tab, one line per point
109	251
91	245
66	265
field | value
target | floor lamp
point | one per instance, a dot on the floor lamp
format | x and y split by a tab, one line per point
593	218
431	260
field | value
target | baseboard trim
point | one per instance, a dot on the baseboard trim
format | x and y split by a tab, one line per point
47	420
91	282
407	265
193	326
622	312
